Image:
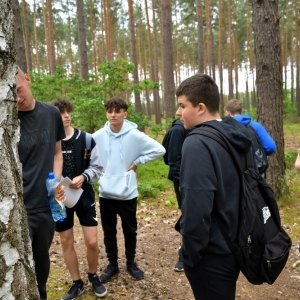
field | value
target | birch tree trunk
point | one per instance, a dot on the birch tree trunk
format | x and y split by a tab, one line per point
17	277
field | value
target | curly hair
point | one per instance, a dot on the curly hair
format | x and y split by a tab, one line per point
63	105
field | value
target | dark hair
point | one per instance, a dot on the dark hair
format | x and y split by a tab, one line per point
200	88
234	106
115	104
63	105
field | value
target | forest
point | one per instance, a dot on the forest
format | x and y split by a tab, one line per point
90	50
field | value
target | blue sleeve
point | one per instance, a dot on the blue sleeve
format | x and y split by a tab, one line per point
267	142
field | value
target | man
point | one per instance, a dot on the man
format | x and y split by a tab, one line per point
233	109
40	153
177	134
122	148
209	182
83	169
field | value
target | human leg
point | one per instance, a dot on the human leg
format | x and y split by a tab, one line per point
179	265
92	252
41	239
213	277
109	225
127	213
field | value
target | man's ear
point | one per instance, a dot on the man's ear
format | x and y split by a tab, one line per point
202	108
27	77
126	114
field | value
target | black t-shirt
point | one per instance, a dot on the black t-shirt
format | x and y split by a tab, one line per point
40	129
69	166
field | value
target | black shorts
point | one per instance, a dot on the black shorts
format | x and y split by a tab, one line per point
86	218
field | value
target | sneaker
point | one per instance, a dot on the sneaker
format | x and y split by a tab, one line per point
135	272
109	272
179	266
75	290
99	289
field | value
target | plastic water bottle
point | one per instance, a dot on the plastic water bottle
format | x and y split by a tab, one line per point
58	212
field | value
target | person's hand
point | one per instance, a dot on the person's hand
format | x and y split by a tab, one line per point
77	182
132	167
60	194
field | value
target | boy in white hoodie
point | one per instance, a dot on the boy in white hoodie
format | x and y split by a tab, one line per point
122	148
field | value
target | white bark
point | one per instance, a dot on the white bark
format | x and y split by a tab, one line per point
17	278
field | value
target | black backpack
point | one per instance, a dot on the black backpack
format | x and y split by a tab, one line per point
260	156
165	143
262	246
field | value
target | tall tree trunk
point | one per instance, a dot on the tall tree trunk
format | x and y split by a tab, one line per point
19	41
137	98
269	85
83	58
17	277
155	67
220	65
93	36
70	51
236	66
51	37
27	38
200	36
292	72
229	51
297	98
46	24
36	41
168	79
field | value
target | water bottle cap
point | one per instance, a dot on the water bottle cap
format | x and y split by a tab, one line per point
51	175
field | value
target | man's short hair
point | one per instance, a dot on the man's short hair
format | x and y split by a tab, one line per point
200	88
115	104
234	106
63	105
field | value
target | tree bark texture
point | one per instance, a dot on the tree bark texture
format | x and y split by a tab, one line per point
83	58
269	84
17	277
137	98
168	77
19	40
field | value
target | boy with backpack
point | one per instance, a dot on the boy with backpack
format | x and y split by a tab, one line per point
260	136
81	163
209	181
172	142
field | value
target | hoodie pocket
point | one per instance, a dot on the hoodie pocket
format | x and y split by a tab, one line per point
118	186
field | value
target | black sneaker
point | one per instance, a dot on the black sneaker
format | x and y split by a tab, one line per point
179	266
135	272
75	290
109	272
99	289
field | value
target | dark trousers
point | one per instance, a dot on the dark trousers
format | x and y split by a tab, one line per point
41	230
126	209
214	277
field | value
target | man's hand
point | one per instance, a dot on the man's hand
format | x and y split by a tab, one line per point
77	182
132	167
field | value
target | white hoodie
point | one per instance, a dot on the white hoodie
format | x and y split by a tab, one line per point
117	152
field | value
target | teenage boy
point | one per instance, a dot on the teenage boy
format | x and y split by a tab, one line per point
122	148
233	108
39	149
83	168
209	182
177	134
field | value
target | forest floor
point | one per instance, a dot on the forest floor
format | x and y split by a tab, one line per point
157	254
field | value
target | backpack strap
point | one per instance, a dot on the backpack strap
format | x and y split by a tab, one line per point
88	144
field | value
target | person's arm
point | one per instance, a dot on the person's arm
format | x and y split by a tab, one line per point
58	160
149	149
297	162
266	140
177	137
